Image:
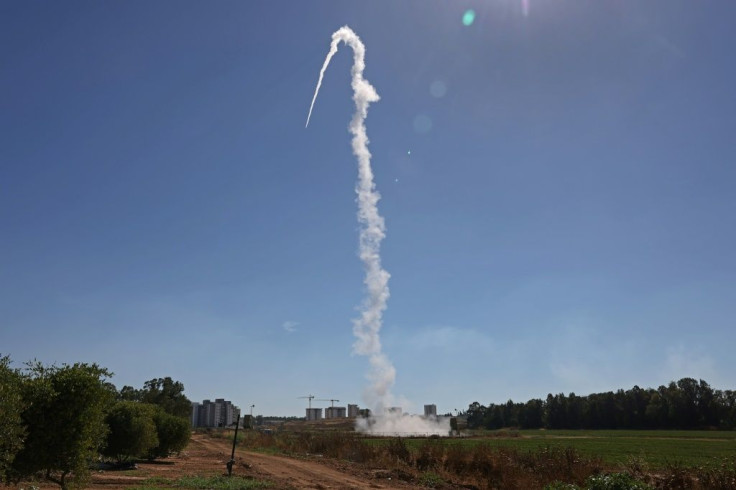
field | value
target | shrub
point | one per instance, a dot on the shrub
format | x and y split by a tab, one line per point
173	434
65	419
430	455
12	431
132	431
398	450
722	475
430	480
615	481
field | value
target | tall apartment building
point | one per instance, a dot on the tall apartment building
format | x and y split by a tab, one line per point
353	410
220	413
314	414
430	410
335	412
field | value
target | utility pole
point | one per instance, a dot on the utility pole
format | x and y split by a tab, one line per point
232	455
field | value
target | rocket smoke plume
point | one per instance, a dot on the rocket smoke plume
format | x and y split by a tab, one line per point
372	229
366	328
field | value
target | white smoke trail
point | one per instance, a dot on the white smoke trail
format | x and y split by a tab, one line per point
366	328
372	230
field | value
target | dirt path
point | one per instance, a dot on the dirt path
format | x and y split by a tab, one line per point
288	472
294	473
206	456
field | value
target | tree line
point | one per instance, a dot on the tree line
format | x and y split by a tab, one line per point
56	422
685	404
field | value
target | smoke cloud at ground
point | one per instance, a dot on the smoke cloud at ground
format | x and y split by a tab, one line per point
404	425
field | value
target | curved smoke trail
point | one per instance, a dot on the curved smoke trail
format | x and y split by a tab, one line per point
372	230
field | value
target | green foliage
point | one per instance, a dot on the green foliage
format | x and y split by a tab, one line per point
65	420
167	394
558	485
685	404
144	430
430	480
721	475
12	431
132	430
219	483
615	481
130	394
172	432
204	482
651	449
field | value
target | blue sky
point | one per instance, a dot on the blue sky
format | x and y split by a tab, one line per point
558	190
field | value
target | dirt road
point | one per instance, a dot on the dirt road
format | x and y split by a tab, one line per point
206	456
287	472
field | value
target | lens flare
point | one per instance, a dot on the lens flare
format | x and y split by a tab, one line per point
468	17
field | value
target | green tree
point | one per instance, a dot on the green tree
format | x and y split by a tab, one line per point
12	431
65	419
172	432
531	415
475	414
128	393
132	430
167	394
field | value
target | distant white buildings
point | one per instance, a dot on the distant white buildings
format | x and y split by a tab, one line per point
220	413
353	410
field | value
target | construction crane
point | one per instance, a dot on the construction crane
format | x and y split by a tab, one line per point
311	397
333	400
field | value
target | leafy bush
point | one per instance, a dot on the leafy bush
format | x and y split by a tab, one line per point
430	480
132	430
65	419
173	434
12	431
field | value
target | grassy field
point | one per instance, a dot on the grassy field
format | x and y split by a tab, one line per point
529	459
655	448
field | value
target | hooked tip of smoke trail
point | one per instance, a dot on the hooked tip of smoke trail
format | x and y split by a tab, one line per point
372	230
336	38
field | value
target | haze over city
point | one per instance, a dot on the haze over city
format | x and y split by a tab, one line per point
556	180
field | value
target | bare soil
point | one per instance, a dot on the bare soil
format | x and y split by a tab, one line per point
206	456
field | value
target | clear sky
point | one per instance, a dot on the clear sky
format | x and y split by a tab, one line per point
558	181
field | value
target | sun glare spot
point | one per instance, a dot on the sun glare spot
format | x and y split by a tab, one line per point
438	88
468	17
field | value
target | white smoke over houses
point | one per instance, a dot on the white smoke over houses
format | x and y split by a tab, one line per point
367	326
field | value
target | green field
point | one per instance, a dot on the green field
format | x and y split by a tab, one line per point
655	448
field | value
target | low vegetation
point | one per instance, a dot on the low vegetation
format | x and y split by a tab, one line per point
204	482
57	421
486	462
